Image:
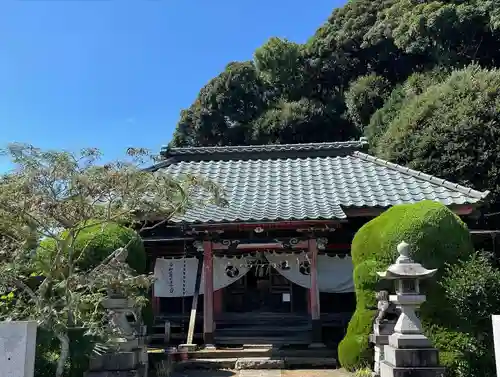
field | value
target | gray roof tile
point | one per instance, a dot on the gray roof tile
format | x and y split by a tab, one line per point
278	186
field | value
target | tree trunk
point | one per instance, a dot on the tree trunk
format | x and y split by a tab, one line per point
63	356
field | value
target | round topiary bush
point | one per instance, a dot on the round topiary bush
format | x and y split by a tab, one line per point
98	242
437	237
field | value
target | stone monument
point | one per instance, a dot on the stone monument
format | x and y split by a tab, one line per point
131	358
17	349
409	352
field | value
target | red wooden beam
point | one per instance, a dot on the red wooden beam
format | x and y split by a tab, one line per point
313	255
271	225
208	295
259	246
314	293
374	212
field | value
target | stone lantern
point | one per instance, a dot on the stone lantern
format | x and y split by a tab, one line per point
409	352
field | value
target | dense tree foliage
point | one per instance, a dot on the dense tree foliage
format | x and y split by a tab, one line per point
451	130
371	65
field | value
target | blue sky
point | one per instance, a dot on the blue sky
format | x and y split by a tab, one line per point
116	73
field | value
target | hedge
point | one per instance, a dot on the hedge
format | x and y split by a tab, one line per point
437	237
99	242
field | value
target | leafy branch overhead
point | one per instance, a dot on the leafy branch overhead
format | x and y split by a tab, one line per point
53	207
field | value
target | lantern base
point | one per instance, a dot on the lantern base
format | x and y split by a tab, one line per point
387	370
398	340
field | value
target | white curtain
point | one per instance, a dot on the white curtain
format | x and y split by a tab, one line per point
334	273
177	277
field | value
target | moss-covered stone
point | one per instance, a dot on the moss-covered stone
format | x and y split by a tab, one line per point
436	235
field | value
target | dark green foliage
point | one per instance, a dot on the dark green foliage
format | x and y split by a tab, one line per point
364	97
302	121
98	242
472	288
280	64
436	235
451	130
47	353
224	108
388	38
402	94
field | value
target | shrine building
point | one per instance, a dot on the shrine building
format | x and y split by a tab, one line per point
274	265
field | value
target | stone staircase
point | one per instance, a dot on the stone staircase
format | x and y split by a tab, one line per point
264	328
251	357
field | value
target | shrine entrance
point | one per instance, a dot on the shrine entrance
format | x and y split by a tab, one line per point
263	307
264	290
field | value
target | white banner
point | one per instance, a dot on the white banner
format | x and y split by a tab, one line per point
334	273
177	277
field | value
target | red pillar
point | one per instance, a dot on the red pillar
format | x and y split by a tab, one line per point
218	302
314	293
208	295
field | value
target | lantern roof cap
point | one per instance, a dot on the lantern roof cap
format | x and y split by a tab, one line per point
405	267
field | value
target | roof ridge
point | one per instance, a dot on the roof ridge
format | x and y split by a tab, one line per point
426	177
353	144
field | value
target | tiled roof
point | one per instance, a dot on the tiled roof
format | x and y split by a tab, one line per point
304	181
269	148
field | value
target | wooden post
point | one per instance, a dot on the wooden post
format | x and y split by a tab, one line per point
314	295
155	301
218	302
194	306
208	295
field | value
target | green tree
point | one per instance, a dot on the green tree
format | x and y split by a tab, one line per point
279	63
59	196
303	121
451	130
400	95
364	97
223	109
472	288
446	32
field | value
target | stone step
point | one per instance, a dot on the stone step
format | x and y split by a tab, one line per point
244	363
277	341
264	329
263	352
259	363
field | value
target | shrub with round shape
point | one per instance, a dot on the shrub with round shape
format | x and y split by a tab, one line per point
437	237
98	242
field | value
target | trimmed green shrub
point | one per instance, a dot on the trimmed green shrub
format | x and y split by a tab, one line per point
99	241
437	237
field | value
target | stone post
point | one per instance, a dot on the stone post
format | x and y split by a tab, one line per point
131	358
409	352
495	320
17	349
